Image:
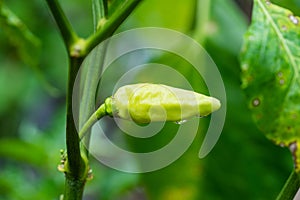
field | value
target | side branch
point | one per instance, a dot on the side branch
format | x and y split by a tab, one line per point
65	28
111	25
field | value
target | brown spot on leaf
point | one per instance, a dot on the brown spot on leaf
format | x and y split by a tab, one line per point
293	148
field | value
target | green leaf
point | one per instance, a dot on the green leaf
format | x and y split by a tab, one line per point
293	5
270	73
27	44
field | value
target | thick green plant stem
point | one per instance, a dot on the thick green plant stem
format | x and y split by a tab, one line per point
73	188
67	32
290	188
76	167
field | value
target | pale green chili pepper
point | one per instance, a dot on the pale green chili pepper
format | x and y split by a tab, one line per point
146	102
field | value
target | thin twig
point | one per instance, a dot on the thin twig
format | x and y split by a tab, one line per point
290	188
67	32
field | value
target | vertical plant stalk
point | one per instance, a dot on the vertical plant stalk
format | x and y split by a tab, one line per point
76	166
290	188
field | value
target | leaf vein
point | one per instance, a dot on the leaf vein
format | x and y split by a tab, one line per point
281	39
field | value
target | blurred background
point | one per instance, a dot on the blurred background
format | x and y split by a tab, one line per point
33	75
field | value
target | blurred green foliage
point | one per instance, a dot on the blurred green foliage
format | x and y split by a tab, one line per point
243	164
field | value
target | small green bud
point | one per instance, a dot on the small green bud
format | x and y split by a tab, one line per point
147	102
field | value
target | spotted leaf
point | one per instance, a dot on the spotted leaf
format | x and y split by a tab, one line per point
270	73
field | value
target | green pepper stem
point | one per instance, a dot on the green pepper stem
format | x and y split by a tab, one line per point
98	114
290	188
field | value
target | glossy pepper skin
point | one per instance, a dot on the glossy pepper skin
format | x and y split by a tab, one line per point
146	102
